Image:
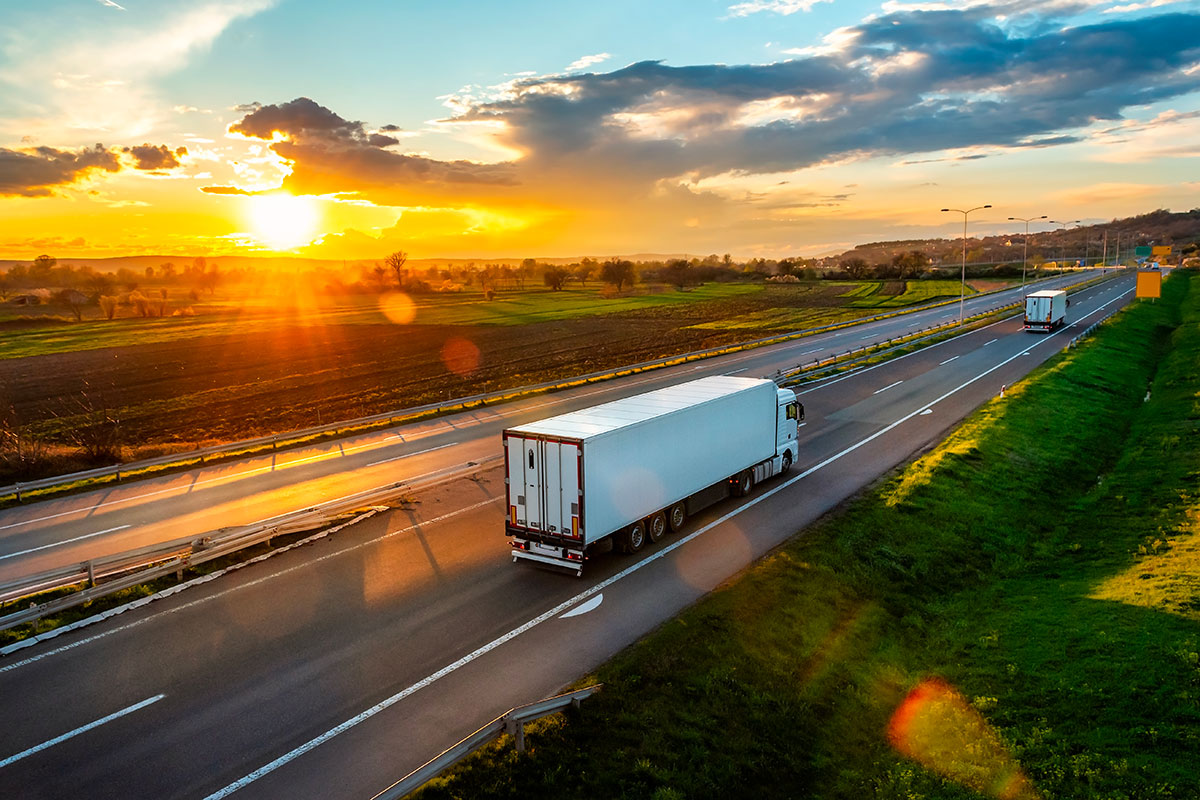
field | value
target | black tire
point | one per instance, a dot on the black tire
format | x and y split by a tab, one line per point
633	538
676	517
656	526
745	482
787	462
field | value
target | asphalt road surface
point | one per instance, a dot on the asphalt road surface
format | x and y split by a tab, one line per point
334	669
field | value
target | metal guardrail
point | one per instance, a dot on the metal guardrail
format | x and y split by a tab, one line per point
121	570
292	438
511	722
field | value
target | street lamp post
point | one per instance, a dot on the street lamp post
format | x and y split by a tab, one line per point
1025	255
962	292
1063	249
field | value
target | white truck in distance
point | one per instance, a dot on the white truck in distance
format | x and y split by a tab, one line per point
625	472
1045	310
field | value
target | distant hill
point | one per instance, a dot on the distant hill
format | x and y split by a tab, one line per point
297	264
1156	228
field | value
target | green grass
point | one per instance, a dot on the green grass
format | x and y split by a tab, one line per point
1040	565
914	292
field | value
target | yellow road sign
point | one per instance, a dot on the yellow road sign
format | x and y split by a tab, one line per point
1149	283
1162	250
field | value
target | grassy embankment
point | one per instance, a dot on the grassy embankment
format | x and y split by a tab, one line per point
1029	587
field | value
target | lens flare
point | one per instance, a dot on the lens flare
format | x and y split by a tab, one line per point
460	356
938	728
398	308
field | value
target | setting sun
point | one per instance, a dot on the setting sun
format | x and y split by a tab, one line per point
282	221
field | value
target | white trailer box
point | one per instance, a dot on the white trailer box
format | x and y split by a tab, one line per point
638	466
1045	310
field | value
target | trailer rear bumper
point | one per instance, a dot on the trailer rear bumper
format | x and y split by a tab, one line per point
566	557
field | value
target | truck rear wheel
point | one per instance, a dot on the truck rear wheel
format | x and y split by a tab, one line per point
676	517
656	526
745	481
634	537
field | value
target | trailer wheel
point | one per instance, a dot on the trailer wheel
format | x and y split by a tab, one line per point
633	537
656	526
787	461
745	481
677	516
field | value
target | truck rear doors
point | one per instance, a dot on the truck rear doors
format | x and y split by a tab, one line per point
543	485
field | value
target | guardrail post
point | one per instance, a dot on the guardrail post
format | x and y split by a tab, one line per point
91	571
19	493
516	729
118	474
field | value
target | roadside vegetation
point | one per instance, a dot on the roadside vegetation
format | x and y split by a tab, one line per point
1012	615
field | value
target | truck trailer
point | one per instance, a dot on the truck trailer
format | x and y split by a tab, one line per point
1045	310
626	472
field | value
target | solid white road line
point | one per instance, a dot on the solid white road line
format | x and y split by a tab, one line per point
884	389
84	729
64	541
410	455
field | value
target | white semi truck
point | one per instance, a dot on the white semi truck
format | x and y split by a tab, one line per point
1045	310
624	473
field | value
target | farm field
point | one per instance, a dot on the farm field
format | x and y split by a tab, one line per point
239	371
1012	615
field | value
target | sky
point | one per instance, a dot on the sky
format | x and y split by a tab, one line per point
534	128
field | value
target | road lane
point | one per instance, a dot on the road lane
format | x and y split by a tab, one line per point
268	659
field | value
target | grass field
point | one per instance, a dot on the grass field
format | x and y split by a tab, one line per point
1014	615
914	292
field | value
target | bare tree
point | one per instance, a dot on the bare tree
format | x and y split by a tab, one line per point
585	270
395	263
73	301
108	304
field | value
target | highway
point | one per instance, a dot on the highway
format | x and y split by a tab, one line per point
119	518
334	669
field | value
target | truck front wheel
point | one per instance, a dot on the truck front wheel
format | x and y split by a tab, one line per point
633	537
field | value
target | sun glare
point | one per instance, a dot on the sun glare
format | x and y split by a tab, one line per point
282	221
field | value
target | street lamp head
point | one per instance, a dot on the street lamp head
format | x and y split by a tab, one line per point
989	205
945	209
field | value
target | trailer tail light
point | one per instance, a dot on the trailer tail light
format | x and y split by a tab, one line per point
518	545
571	556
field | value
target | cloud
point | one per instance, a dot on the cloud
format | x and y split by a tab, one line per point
328	154
147	156
97	72
38	171
588	61
903	83
785	7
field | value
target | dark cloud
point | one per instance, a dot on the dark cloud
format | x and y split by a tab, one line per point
36	172
330	153
907	82
147	156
